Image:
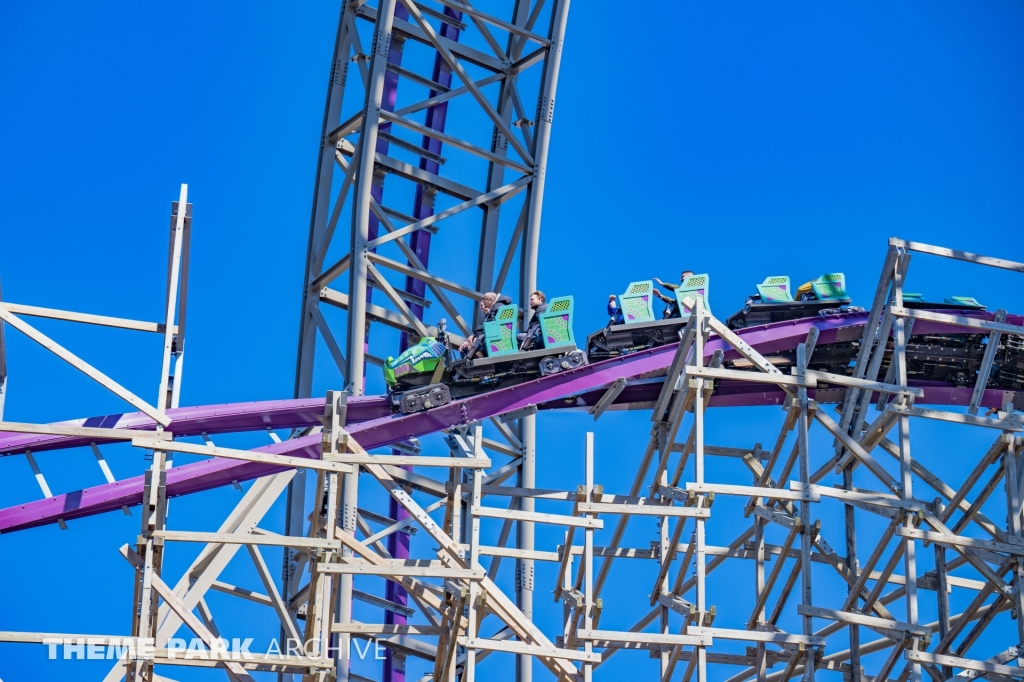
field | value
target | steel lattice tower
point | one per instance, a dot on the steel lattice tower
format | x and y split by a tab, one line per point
460	132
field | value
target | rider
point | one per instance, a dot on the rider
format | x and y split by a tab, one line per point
672	307
614	311
805	292
531	338
489	304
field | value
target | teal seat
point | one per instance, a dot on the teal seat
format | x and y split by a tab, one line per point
775	289
961	300
830	287
637	303
556	323
913	298
500	333
687	293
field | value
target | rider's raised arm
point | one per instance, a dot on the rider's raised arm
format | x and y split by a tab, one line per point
667	285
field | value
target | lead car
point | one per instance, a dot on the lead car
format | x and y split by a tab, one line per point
431	373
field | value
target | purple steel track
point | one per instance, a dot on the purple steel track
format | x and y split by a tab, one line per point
212	419
377	427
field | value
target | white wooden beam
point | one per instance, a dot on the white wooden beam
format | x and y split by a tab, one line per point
84	367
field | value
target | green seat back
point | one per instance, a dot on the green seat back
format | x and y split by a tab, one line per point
687	293
556	323
913	298
961	300
775	289
830	287
637	304
500	333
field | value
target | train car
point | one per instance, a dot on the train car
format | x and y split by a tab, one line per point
431	373
950	358
957	358
776	301
635	328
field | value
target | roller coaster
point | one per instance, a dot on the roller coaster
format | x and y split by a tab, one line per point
942	359
467	391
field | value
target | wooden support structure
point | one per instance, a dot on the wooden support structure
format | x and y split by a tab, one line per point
461	620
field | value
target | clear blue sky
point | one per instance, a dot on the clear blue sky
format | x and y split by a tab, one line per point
739	139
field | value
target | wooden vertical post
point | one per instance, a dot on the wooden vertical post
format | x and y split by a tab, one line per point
568	613
344	491
899	361
318	611
588	560
173	271
456	504
761	663
184	236
942	588
473	622
665	558
852	567
1013	521
154	504
698	425
807	528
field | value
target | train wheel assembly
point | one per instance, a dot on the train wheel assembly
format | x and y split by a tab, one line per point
425	398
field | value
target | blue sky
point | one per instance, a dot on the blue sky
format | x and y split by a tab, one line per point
738	139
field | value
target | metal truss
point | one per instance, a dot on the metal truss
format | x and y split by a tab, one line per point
444	97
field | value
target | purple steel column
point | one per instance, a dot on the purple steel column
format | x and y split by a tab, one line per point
419	241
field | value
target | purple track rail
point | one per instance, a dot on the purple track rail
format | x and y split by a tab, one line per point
376	427
212	419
